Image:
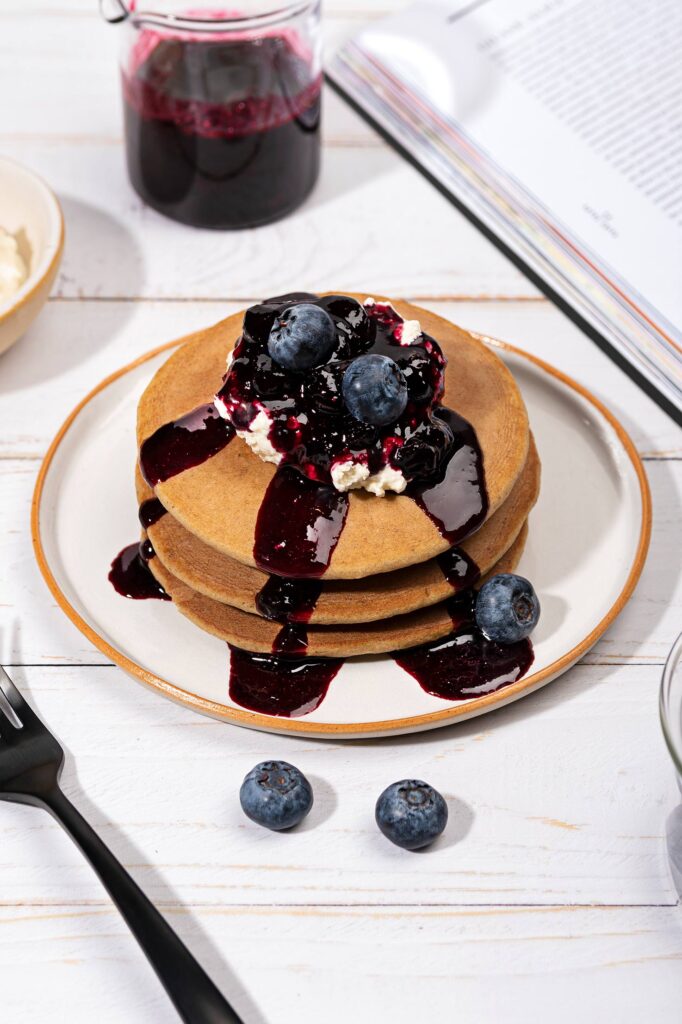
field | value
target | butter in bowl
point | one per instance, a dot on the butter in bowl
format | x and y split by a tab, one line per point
31	243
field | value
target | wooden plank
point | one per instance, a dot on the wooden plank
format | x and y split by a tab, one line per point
372	221
561	798
293	967
73	345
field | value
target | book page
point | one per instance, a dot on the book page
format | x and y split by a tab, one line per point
579	101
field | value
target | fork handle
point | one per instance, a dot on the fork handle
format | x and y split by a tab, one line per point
194	995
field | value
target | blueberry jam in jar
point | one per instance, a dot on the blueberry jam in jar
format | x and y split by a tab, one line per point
222	117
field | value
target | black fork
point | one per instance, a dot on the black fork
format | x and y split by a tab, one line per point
31	762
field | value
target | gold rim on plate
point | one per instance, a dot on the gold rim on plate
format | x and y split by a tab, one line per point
295	725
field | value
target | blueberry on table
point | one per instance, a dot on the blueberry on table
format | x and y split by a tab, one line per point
302	336
276	795
375	390
411	813
507	608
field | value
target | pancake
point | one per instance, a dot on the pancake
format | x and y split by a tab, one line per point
218	501
253	633
223	579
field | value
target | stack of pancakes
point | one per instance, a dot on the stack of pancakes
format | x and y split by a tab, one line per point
384	589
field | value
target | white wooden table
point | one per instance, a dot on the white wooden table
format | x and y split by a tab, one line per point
549	898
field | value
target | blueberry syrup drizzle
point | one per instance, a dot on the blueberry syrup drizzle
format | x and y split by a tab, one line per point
458	568
274	684
290	602
455	500
310	428
184	443
150	512
298	526
131	576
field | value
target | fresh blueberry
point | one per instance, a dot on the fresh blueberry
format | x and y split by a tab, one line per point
276	795
374	389
411	813
507	608
302	336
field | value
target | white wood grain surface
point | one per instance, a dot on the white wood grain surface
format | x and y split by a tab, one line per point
549	896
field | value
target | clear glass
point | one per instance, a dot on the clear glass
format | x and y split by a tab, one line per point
222	110
671	720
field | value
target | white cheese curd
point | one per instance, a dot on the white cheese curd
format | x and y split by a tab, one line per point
13	271
258	440
411	328
347	475
411	331
387	479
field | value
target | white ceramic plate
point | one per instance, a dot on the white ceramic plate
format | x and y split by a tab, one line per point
589	535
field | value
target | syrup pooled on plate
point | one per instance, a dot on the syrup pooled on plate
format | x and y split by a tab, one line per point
273	684
131	576
464	664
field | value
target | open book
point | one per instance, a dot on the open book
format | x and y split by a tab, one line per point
558	125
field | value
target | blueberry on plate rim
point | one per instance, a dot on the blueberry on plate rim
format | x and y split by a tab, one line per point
375	389
302	336
411	813
507	608
276	795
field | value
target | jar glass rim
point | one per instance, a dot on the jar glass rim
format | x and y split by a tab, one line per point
221	21
670	703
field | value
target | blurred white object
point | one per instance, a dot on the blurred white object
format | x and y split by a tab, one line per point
671	720
33	227
13	271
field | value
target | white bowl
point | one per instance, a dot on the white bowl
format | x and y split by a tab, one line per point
29	210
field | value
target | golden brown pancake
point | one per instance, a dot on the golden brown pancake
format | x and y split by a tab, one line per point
218	501
222	578
253	633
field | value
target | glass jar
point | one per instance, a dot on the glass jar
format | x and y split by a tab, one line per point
671	720
222	110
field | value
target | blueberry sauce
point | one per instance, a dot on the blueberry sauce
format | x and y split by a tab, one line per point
291	602
309	424
222	132
456	500
298	526
459	666
184	443
458	568
150	512
279	685
435	448
131	576
464	664
288	600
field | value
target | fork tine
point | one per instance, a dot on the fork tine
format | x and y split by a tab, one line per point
8	731
24	713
